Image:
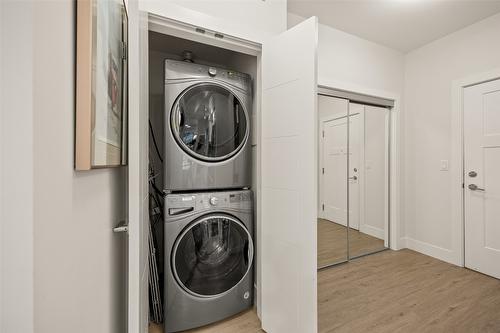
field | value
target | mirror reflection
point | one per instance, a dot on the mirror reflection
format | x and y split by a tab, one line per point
332	213
353	151
367	181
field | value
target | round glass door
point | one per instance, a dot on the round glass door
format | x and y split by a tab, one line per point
212	255
209	122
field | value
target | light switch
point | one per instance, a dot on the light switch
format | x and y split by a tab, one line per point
444	165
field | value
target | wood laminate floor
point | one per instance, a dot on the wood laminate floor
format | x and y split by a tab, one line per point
332	243
395	291
245	322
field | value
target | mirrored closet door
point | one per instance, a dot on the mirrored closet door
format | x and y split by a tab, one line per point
332	211
367	179
353	180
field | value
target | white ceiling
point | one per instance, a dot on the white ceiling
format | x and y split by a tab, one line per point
399	24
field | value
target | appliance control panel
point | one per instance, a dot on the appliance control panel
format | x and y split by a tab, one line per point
175	70
179	204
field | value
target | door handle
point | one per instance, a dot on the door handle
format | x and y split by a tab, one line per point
122	226
474	187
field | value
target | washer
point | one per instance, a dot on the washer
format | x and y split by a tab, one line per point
207	130
208	257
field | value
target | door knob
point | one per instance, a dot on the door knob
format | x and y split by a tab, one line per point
122	226
474	187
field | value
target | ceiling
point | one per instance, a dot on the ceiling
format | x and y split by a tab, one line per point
403	25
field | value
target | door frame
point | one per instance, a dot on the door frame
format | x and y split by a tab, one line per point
457	165
396	242
322	122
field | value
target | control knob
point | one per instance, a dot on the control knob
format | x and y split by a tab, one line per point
214	201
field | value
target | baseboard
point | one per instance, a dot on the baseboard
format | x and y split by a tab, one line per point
429	249
372	231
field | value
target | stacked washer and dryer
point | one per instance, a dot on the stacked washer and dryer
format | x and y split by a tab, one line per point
208	207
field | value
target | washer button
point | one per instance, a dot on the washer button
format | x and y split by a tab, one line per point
212	71
214	201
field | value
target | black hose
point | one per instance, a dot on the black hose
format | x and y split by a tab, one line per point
154	141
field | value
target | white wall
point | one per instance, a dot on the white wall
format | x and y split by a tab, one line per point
17	168
1	166
354	64
429	73
63	267
79	263
254	20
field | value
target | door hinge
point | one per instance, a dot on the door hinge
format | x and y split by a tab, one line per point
323	206
121	227
323	171
323	133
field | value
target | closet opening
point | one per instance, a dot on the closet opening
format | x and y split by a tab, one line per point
354	176
203	179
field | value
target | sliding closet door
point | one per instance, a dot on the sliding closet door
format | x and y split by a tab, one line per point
332	212
289	180
368	179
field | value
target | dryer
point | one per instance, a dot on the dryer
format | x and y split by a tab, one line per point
207	127
208	257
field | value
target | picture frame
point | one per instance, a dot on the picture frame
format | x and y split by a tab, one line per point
101	84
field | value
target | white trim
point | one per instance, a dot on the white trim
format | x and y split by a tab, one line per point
457	158
395	151
429	249
373	231
168	26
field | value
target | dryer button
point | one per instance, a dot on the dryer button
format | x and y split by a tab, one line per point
214	201
212	71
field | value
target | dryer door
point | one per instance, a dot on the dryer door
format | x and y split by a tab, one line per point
212	255
209	122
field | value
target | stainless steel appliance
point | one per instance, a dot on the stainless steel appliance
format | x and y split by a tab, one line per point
208	257
207	132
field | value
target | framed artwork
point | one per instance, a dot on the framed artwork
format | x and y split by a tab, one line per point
101	84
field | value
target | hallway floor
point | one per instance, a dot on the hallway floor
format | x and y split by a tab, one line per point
395	291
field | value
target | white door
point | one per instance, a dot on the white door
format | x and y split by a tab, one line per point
137	183
482	177
334	170
289	180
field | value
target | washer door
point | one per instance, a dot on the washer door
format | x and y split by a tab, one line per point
212	255
209	122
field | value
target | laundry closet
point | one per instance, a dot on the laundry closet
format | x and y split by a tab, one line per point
203	163
244	233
